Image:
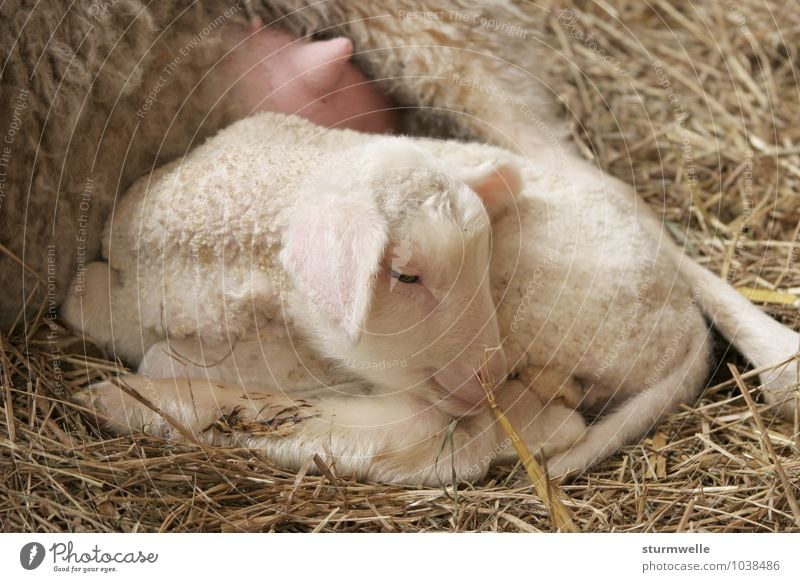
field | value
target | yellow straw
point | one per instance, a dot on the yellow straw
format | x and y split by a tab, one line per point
548	493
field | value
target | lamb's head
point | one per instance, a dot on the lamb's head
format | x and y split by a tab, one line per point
395	267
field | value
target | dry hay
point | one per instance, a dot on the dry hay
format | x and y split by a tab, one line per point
710	137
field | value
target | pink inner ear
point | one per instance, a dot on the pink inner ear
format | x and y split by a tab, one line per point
334	258
496	184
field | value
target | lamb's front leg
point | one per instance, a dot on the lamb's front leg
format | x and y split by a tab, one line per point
396	438
190	408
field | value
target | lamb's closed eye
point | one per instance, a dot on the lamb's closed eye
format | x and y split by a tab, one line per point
403	278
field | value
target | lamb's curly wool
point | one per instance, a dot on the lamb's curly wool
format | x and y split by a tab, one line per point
96	93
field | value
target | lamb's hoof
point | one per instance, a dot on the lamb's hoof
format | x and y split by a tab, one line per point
113	409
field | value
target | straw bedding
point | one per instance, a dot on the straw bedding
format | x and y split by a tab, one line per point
699	107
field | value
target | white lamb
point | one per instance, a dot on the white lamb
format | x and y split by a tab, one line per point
265	277
594	308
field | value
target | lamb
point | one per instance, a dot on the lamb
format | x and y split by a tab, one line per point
239	302
579	280
496	92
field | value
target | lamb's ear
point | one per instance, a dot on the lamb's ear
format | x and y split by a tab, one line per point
496	182
333	255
